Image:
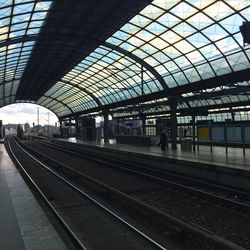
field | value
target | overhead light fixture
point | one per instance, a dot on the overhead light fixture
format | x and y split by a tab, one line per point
245	31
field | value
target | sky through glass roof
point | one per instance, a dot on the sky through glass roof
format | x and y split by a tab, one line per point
184	41
167	45
18	19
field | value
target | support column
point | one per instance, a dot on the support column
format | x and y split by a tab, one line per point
173	108
70	121
105	127
142	116
144	125
60	126
193	130
77	126
232	115
117	127
143	119
142	81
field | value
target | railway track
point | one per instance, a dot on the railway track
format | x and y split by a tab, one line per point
223	195
197	233
90	224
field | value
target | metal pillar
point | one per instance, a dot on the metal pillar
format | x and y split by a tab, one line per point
117	127
225	132
105	126
143	125
142	81
48	123
70	121
142	116
232	115
60	122
210	137
173	108
243	139
77	126
143	119
193	129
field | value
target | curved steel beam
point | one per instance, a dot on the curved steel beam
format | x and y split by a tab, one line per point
138	60
85	91
54	99
18	40
143	63
8	81
33	38
105	44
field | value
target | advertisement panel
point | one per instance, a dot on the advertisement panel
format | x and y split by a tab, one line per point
203	133
247	134
234	134
218	134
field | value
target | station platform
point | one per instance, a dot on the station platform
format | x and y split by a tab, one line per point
230	168
23	223
234	158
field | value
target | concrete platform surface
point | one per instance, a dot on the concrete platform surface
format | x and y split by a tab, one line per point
23	223
234	158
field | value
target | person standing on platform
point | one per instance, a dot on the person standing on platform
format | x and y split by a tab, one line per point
163	141
185	132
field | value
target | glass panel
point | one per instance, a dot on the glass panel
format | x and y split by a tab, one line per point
180	78
205	71
238	61
140	20
165	4
198	40
218	10
220	66
246	13
23	8
195	57
192	75
170	37
130	28
144	35
200	4
169	20
199	21
183	10
152	12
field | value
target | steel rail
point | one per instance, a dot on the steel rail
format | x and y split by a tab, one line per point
241	205
59	217
89	197
193	229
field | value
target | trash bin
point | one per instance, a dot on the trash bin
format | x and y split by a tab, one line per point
186	144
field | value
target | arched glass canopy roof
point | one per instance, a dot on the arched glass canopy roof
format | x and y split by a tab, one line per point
18	19
192	50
